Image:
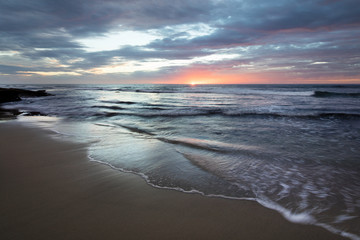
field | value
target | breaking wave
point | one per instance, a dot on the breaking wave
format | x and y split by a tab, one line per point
325	94
164	112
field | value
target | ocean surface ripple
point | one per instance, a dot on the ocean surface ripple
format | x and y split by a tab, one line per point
292	148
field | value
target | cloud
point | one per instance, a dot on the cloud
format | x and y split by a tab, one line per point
6	69
282	36
95	16
293	14
221	38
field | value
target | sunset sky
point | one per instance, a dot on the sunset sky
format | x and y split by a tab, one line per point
188	41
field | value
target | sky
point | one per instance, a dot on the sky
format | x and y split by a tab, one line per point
180	41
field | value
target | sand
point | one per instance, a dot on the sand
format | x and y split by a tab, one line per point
50	190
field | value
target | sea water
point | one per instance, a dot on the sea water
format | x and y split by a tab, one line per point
292	148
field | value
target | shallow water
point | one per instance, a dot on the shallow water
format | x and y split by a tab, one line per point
292	148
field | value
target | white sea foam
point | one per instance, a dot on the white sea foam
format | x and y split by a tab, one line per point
301	218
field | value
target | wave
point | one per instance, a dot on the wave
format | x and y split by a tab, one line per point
106	114
331	115
339	115
325	94
162	112
137	130
151	106
156	108
210	145
218	90
165	90
108	107
120	102
202	144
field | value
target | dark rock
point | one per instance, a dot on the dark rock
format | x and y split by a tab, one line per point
9	113
9	96
15	94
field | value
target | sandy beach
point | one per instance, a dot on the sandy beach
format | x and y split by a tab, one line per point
50	190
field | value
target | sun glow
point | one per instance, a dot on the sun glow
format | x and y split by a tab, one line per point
195	77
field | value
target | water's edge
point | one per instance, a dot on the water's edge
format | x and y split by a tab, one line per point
295	218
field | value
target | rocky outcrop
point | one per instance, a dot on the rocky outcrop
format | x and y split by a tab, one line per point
8	96
15	94
8	113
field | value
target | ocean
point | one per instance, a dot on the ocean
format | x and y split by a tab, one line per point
291	148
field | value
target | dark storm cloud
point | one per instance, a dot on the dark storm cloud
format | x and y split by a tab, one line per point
249	21
306	62
24	41
95	16
292	14
5	69
221	38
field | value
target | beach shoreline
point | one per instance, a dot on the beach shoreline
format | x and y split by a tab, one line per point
50	190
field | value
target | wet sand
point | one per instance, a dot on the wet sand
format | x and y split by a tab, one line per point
50	190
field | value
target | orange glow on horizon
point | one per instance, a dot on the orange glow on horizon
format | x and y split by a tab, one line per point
195	77
198	77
